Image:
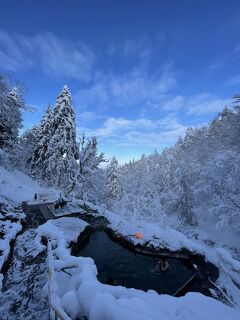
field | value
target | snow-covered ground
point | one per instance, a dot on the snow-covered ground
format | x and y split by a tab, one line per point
24	294
82	293
157	235
16	187
9	231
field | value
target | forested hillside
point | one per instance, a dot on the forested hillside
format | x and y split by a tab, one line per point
197	179
194	182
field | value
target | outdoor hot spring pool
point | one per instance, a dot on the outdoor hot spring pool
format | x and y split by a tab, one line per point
118	265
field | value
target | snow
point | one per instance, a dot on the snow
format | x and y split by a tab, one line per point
82	293
172	239
100	301
17	187
10	231
63	230
167	237
66	210
24	295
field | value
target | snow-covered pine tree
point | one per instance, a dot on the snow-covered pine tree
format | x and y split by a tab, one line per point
42	137
11	104
5	128
113	180
62	154
27	144
89	160
236	102
91	176
16	104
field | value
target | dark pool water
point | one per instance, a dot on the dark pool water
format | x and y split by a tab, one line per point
124	267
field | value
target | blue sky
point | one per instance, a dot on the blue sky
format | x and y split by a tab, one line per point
140	71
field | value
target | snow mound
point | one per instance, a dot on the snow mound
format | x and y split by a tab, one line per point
61	232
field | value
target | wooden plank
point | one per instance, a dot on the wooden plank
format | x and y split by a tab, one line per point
46	212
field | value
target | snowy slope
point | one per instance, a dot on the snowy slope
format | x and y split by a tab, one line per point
17	187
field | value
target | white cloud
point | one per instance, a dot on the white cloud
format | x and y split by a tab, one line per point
205	103
12	52
63	57
140	48
114	126
202	104
57	57
223	60
135	88
174	103
158	140
88	116
138	132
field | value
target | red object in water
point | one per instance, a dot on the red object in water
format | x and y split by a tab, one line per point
138	235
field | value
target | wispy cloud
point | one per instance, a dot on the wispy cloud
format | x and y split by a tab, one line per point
202	104
88	116
134	88
139	131
167	132
225	59
113	126
174	103
58	57
63	57
13	49
140	48
151	132
122	106
205	103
